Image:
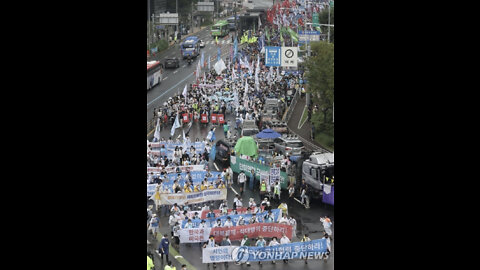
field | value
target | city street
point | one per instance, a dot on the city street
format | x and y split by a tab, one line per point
173	83
174	80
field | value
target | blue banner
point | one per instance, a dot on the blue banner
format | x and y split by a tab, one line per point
299	250
210	222
170	148
197	178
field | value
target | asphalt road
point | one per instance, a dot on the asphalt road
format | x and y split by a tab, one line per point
174	80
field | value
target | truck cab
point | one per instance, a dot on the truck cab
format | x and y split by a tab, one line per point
315	169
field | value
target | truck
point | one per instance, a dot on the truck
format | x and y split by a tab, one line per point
315	170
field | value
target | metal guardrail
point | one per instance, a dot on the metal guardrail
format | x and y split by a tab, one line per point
288	113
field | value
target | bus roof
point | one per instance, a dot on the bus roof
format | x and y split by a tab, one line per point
222	22
191	39
152	64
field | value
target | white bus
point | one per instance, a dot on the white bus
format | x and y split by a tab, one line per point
154	73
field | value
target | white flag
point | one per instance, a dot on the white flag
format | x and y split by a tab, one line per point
219	66
184	93
175	126
157	130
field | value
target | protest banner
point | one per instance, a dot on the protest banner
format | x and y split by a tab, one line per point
193	197
211	222
197	178
242	165
314	249
217	212
218	254
173	169
267	230
195	235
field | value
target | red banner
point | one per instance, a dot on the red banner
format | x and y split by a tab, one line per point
267	230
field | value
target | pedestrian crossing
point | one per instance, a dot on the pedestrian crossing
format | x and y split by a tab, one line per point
221	42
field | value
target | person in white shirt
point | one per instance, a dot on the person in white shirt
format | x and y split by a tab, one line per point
237	202
210	243
273	243
228	223
240	221
218	224
293	222
327	224
252	203
284	240
223	208
284	220
230	175
242	178
202	224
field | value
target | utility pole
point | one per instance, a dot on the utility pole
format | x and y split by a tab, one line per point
192	19
148	24
329	22
151	26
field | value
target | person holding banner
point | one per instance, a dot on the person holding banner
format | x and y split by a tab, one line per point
244	243
211	243
306	239
260	243
226	242
273	243
284	240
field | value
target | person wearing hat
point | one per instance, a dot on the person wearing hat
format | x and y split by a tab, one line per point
273	243
284	240
210	243
260	243
202	224
240	221
228	223
244	243
306	239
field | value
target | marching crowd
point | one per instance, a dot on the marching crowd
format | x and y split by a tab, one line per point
240	90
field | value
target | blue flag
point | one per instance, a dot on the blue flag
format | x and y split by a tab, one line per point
235	49
219	54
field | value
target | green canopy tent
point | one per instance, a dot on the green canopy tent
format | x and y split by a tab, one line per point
246	146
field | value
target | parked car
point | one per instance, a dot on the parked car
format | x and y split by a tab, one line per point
289	145
172	62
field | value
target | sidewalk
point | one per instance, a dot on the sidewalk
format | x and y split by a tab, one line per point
306	130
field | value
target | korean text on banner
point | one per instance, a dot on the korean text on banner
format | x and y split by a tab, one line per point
218	254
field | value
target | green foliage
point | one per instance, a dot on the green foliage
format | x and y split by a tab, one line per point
320	76
323	19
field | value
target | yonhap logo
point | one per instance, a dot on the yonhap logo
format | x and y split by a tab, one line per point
240	254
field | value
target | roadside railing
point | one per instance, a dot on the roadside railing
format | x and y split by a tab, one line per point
288	113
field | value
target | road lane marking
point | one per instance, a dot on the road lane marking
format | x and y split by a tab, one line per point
168	90
175	71
234	190
216	165
165	78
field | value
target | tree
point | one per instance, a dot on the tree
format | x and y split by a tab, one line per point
323	19
320	76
